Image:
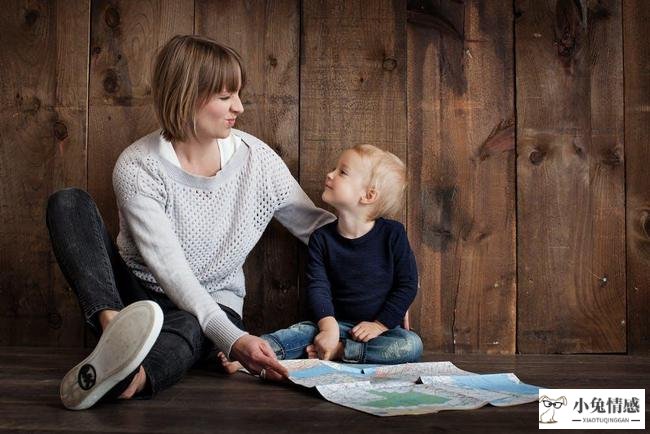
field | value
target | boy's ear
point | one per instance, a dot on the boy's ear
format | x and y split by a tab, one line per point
370	196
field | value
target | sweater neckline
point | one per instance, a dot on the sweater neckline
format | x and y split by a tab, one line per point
205	182
363	238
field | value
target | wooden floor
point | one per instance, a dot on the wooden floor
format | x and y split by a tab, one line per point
207	401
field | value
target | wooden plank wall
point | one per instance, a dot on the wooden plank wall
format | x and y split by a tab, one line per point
524	126
570	177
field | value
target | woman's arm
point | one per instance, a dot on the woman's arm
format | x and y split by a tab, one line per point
295	210
163	254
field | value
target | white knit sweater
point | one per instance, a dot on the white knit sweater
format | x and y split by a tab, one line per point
188	235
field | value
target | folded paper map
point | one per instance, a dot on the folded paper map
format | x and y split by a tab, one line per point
411	388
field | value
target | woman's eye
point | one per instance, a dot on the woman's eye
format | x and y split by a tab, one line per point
224	98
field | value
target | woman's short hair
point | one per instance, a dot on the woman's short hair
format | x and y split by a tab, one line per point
187	71
388	178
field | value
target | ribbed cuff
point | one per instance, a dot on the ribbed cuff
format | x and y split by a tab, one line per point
390	321
223	333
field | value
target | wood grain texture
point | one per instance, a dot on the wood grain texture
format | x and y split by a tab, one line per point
352	85
570	175
125	37
637	149
42	149
208	401
462	162
267	35
529	220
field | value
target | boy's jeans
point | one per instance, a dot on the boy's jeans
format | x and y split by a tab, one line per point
391	347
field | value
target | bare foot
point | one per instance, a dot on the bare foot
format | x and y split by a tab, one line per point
228	366
311	352
139	380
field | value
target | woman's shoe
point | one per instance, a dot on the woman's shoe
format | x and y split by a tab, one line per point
121	349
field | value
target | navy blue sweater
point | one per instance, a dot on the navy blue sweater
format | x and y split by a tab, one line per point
373	277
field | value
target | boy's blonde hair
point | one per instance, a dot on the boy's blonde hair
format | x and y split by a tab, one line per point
187	71
387	176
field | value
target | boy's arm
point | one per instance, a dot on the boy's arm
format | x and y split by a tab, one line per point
319	296
319	292
405	283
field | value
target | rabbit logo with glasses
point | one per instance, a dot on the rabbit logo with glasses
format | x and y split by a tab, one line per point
551	405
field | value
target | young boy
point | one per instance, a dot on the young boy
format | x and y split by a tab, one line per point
361	274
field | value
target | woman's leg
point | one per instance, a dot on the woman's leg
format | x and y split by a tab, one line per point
290	343
93	267
180	345
88	257
391	347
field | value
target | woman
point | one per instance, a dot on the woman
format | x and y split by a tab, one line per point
194	197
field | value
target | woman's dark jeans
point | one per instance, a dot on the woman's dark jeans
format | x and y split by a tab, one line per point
101	280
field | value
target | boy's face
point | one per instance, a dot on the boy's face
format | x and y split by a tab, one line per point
346	185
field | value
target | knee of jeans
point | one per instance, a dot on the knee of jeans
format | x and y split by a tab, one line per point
415	343
187	326
412	346
67	199
305	326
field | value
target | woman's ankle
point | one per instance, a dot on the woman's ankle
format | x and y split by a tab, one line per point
106	316
137	384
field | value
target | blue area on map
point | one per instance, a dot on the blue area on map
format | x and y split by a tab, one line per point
495	382
352	369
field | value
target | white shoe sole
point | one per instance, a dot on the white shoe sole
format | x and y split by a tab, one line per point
121	349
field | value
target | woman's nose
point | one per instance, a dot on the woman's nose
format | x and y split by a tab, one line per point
237	106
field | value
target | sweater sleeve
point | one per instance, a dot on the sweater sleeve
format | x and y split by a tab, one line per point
319	292
295	211
154	236
405	282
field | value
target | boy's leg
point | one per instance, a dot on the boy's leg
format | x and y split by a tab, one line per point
290	343
391	347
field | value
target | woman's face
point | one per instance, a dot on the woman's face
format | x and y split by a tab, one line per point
216	118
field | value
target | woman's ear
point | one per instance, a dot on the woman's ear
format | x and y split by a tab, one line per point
370	196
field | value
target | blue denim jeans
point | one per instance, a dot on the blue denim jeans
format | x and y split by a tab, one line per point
394	346
100	279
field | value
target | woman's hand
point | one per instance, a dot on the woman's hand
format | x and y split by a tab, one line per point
255	354
366	330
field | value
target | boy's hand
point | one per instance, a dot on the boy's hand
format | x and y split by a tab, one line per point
326	344
366	330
